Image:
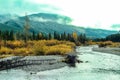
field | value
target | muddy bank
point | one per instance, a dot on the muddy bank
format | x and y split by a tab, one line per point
115	51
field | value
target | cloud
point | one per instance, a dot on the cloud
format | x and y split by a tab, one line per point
93	13
22	6
115	26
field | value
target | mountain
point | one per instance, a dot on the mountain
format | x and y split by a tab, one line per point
48	23
5	27
6	17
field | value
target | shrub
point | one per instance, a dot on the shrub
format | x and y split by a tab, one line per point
39	50
5	50
15	44
22	51
41	47
60	49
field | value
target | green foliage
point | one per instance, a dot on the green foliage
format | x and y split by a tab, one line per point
82	38
113	37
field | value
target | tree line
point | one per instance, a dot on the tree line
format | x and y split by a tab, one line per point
112	37
73	37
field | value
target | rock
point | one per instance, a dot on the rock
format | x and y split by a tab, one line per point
71	59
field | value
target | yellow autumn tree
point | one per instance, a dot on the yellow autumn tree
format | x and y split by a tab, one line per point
75	36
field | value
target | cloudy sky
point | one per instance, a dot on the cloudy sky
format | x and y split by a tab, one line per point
104	14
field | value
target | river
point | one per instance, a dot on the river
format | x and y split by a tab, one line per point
95	66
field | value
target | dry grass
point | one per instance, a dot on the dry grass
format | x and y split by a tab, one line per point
5	50
41	47
60	49
105	44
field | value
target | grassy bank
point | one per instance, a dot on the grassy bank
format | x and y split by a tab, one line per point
115	51
105	44
41	47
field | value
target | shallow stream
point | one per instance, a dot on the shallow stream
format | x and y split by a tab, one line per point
95	66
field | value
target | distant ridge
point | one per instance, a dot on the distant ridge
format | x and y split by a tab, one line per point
48	23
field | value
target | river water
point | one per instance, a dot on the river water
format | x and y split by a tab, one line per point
95	66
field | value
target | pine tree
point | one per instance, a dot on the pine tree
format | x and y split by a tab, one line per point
0	35
33	35
11	35
55	35
68	37
49	36
64	36
0	38
82	38
58	37
6	35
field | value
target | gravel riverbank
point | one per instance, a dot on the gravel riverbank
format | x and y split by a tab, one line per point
37	63
45	63
115	51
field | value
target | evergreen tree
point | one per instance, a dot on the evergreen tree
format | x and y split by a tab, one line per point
64	36
68	37
114	37
33	35
0	35
58	37
11	35
49	36
6	35
55	35
82	38
0	38
45	37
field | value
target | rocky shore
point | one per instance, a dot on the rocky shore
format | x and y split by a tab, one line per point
115	51
32	63
45	63
38	63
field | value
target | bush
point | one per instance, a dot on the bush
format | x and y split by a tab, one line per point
5	50
41	47
15	44
60	49
39	50
22	51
